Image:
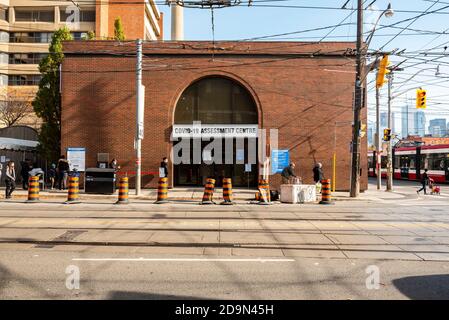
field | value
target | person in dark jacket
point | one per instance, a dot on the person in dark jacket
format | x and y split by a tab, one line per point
114	165
318	173
63	171
424	182
10	179
25	168
288	173
164	164
52	176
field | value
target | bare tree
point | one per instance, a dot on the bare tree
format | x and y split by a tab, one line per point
13	110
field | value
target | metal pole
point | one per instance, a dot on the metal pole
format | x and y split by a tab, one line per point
139	121
378	146
355	172
390	156
334	160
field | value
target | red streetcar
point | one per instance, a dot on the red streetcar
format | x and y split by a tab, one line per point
409	163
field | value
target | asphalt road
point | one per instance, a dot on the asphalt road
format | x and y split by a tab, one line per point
43	275
384	246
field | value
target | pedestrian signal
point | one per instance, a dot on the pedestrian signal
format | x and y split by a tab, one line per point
421	97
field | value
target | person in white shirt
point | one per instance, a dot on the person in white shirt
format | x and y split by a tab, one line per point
10	179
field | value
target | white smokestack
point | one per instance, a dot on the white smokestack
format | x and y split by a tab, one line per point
177	22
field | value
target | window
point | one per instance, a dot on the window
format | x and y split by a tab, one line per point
79	35
436	161
4	14
26	15
216	100
26	58
4	37
3	58
24	80
30	37
85	15
3	79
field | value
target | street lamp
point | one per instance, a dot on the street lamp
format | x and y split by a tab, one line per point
389	12
355	168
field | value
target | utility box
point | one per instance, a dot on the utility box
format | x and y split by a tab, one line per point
99	180
298	193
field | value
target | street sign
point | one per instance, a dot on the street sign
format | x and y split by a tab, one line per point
247	167
280	160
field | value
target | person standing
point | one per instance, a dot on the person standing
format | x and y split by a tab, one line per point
318	173
424	182
1	170
288	173
52	176
63	169
10	179
24	173
114	165
164	166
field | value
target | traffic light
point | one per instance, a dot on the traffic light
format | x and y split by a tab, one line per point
421	97
380	80
387	134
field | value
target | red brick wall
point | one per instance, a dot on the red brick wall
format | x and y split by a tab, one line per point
301	97
132	16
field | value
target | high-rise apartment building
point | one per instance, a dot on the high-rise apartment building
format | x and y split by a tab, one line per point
437	127
419	123
26	28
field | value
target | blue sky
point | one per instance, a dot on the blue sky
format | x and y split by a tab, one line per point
245	22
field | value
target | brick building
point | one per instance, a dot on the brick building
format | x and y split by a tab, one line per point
303	90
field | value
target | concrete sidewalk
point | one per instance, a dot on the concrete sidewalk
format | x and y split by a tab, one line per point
175	194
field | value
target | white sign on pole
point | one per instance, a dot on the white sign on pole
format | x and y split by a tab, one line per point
161	172
141	110
248	167
2	159
77	158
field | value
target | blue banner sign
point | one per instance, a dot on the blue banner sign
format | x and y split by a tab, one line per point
279	160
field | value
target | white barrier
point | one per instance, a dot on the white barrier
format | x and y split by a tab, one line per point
298	193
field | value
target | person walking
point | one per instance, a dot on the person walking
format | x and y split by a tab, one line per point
63	170
10	179
318	173
164	166
288	173
424	182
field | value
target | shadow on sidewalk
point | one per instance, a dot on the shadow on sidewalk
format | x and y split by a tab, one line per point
430	287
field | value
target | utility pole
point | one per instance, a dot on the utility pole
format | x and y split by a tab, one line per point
139	115
355	169
378	146
390	145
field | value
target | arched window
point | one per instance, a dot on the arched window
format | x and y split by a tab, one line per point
216	100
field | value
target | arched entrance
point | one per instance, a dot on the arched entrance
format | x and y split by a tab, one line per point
215	133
